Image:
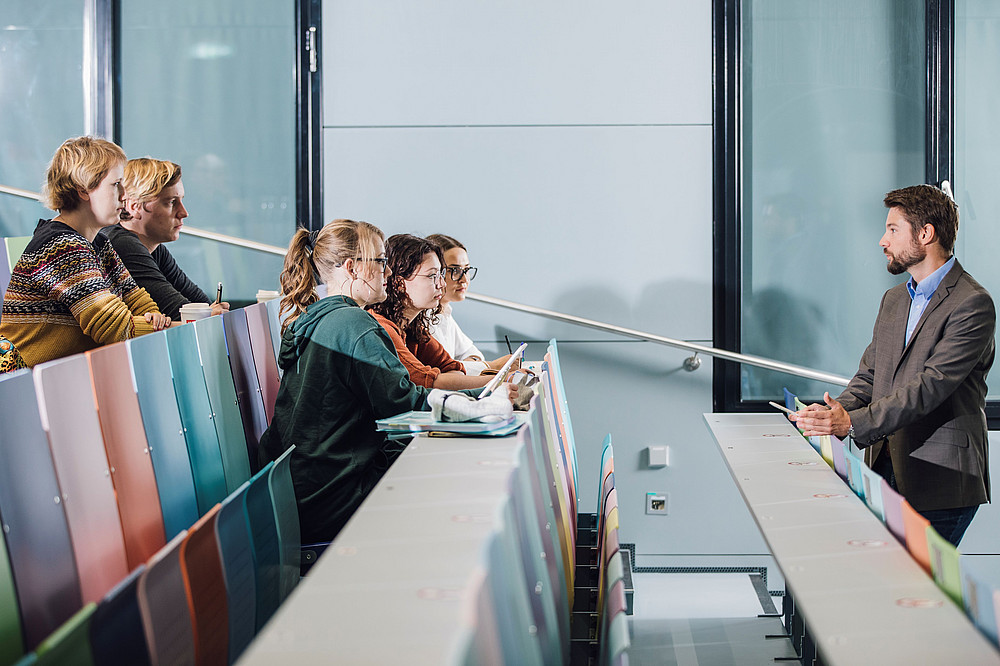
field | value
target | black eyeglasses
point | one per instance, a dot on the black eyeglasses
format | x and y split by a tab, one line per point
381	261
456	272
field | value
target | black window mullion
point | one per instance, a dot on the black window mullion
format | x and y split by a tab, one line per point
308	119
940	31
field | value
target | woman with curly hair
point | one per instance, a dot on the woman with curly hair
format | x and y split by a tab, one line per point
413	295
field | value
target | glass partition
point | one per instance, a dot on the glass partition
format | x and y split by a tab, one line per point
41	98
977	142
833	115
211	87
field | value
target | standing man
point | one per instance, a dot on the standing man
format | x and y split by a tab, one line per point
917	402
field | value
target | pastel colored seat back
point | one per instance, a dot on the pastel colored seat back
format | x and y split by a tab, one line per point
892	510
11	643
236	554
915	527
286	518
266	551
197	417
205	586
69	416
618	640
854	474
116	631
826	448
944	565
166	615
69	645
274	323
872	488
33	517
789	398
837	450
264	359
161	420
128	453
222	397
246	383
980	596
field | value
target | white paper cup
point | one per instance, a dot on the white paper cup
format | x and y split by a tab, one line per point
266	295
195	311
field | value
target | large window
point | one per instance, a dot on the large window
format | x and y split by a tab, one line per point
42	100
833	102
211	86
977	144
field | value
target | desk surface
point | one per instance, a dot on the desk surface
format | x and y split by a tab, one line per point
396	585
864	598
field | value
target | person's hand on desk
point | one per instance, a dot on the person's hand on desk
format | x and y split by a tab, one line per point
219	308
159	321
828	419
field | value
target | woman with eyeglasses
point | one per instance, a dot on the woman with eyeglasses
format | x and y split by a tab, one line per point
413	295
458	274
341	374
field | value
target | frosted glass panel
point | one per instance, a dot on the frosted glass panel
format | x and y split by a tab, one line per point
210	86
833	101
41	98
977	141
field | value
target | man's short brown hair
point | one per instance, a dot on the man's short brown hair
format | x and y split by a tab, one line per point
926	204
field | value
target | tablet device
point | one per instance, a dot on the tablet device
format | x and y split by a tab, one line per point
504	371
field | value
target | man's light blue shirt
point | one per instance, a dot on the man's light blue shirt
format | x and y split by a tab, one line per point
920	294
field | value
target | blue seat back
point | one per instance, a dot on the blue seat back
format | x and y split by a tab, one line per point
286	518
161	419
166	613
116	631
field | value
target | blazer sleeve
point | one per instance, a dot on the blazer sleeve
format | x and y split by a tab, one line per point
966	338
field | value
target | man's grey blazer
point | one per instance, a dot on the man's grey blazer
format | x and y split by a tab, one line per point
926	400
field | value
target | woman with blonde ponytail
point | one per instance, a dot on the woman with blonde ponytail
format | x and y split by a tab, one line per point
341	373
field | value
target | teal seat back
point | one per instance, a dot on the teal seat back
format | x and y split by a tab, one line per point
286	518
979	594
872	488
245	380
222	397
197	417
70	644
236	553
34	520
854	473
266	551
161	419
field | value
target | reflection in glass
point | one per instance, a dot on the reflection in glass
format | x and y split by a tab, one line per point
41	98
977	142
210	86
833	104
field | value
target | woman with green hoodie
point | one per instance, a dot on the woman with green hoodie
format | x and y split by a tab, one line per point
341	373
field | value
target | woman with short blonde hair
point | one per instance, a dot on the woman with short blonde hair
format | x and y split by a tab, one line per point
69	291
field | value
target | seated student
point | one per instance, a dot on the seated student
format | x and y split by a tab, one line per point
69	291
341	373
457	275
155	212
413	295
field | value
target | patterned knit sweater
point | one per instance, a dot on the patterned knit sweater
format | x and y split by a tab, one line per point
67	295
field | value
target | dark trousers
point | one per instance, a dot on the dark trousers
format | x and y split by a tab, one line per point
949	523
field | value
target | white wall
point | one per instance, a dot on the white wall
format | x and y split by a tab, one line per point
569	146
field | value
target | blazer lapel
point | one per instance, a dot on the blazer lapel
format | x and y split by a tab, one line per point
941	293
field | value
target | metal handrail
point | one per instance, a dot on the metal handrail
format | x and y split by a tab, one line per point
691	363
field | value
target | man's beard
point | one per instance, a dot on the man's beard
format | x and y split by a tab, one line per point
899	263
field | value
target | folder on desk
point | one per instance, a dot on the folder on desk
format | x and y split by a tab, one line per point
420	421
